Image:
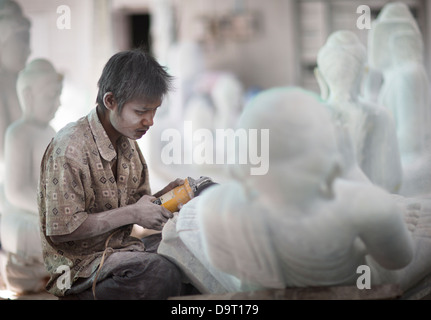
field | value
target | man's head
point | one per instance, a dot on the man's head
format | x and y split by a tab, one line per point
131	88
133	75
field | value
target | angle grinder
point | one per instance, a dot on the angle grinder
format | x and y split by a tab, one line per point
182	194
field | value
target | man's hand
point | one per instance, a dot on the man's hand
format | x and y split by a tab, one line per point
169	187
150	215
143	213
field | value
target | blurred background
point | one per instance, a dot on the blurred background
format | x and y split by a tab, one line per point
262	43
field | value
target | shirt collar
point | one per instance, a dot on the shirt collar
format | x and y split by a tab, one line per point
103	143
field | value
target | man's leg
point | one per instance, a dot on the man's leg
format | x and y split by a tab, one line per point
136	276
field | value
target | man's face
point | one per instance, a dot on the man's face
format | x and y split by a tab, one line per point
135	118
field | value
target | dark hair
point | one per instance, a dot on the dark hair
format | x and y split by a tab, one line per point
133	74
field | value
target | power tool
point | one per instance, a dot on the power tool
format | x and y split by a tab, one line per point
182	194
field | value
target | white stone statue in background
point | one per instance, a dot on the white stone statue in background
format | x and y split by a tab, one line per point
301	224
216	103
396	50
206	99
366	131
227	94
14	52
39	88
185	63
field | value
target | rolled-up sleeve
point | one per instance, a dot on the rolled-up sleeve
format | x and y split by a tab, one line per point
65	196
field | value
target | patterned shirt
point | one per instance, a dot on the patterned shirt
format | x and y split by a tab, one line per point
76	180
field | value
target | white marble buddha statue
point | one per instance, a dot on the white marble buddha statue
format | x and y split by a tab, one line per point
39	88
302	224
396	50
14	51
296	226
366	131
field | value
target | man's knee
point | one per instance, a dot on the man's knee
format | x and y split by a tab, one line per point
142	275
162	277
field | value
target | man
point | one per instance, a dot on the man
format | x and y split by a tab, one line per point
94	187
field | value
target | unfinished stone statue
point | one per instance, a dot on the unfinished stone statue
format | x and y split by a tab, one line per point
396	50
366	130
39	87
301	224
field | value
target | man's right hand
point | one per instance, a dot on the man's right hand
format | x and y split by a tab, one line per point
150	215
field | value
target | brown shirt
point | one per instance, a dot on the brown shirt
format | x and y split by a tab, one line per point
77	180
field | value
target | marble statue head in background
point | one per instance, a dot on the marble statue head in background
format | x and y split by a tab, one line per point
394	18
379	42
296	225
301	143
39	87
341	63
396	10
